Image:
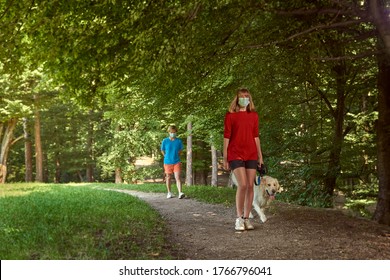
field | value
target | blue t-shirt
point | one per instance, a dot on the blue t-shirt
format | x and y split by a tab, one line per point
171	149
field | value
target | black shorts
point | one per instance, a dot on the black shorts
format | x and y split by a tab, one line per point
248	164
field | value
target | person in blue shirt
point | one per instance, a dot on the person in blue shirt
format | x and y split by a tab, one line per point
171	148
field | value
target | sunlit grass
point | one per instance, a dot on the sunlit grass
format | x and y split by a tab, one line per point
361	207
39	221
18	189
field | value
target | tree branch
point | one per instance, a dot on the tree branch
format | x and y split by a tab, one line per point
307	31
192	15
6	10
348	57
307	100
344	8
307	12
323	96
347	130
16	140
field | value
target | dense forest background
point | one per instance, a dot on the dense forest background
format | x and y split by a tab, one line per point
87	87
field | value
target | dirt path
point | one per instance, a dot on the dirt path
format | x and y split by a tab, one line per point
202	231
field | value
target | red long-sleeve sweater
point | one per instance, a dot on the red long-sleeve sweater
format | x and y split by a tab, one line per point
241	128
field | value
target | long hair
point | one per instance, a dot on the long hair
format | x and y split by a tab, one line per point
235	107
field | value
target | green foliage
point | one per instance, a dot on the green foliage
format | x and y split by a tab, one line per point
361	197
130	135
12	109
148	173
16	91
311	194
65	222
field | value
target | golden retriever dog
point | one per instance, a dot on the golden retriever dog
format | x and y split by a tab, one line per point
264	193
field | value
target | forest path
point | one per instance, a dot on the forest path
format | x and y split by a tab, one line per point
202	231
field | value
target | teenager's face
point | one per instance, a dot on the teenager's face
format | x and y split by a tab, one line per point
243	99
172	133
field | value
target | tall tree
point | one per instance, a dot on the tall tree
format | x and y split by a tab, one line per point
27	150
6	132
379	11
214	163
90	148
13	106
38	142
189	177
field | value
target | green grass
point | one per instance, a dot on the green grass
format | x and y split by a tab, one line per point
70	222
86	221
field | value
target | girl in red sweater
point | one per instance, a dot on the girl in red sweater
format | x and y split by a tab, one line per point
242	152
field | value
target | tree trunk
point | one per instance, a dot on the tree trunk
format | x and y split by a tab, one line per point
189	180
200	177
57	178
27	151
380	17
45	169
6	136
338	137
90	165
214	169
365	170
382	212
382	22
80	176
118	176
38	143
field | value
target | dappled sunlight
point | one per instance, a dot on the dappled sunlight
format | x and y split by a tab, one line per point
22	189
10	230
78	184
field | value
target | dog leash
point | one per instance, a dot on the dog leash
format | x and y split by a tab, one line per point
257	182
261	170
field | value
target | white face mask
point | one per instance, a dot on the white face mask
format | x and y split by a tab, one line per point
243	101
172	135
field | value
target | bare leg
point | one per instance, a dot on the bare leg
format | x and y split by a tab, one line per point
168	182
250	175
242	189
178	182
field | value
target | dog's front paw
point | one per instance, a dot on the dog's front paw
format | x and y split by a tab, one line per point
250	215
263	218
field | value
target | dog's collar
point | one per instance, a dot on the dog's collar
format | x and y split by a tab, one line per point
257	182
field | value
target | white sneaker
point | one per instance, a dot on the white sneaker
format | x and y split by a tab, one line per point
170	195
181	195
248	224
240	224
